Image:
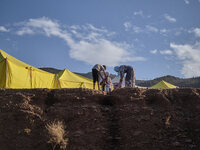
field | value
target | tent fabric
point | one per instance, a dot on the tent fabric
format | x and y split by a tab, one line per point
67	79
17	74
163	85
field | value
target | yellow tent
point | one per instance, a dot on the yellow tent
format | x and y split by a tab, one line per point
163	85
17	74
67	79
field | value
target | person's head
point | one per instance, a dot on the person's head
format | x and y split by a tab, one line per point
104	67
116	68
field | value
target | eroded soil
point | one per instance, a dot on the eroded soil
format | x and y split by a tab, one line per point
126	119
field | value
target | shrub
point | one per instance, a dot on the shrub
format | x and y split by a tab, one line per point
57	134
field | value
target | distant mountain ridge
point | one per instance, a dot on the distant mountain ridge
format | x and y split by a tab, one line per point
87	75
187	82
51	70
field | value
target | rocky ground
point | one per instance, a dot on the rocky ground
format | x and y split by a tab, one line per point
126	119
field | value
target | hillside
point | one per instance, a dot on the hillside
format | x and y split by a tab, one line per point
87	75
187	82
51	70
83	119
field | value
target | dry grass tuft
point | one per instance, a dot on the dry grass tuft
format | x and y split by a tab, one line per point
57	134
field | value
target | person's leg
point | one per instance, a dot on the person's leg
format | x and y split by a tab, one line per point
128	83
93	85
103	86
133	78
98	86
94	76
129	80
98	80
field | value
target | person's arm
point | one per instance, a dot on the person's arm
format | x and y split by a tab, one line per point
121	78
100	75
121	73
105	76
102	69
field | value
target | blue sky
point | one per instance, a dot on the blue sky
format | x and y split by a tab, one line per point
156	37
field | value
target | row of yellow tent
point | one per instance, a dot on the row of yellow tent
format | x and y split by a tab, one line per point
17	74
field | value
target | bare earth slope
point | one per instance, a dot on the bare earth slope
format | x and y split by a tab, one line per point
126	119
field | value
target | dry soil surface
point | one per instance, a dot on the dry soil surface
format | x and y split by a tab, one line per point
126	119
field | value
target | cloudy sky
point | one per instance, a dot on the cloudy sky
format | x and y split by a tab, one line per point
156	37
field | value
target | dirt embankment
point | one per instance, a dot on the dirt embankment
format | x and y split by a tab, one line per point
126	119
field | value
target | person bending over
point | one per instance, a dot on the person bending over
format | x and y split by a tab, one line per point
130	75
96	73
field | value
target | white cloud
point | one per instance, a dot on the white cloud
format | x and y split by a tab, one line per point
187	1
149	16
102	51
169	18
75	27
3	29
177	33
44	26
154	51
196	31
138	13
93	28
89	45
166	52
127	25
24	30
151	28
189	55
89	32
163	31
137	29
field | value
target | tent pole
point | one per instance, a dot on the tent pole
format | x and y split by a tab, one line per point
55	81
31	76
83	84
6	73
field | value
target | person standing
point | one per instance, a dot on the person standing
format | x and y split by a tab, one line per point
96	73
130	75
